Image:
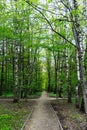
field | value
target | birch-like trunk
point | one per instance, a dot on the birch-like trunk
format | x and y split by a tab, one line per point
16	88
2	69
79	44
78	77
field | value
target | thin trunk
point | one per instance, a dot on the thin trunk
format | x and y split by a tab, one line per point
79	38
55	60
20	78
16	88
48	80
22	73
69	94
78	77
2	71
70	86
49	73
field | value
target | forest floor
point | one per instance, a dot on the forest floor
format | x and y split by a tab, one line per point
70	117
13	115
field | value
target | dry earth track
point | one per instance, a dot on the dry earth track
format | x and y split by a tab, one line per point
43	117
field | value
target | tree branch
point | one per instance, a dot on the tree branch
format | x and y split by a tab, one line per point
44	9
36	8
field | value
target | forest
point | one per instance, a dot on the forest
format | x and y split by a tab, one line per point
43	47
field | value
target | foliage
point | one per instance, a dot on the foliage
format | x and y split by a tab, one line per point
12	116
51	95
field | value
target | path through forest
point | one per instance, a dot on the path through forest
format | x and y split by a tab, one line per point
43	117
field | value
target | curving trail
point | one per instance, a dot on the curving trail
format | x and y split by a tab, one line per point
43	118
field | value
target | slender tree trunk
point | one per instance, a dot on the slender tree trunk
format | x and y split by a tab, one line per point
22	73
16	88
70	86
2	71
77	86
6	87
49	73
69	94
48	80
55	60
79	38
20	78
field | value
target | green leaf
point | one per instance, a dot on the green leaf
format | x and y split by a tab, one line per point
35	1
49	1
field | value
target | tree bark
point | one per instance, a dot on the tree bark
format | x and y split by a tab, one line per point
2	70
79	39
16	87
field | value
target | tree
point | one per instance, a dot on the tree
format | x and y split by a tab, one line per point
75	25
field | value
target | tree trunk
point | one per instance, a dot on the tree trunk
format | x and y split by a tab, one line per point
49	72
77	97
2	71
16	87
55	59
79	39
20	64
69	94
48	81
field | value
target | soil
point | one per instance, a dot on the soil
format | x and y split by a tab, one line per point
70	117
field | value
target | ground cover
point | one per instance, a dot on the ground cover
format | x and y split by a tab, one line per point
52	95
12	116
35	95
70	117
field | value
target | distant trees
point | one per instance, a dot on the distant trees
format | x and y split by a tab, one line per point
20	71
71	15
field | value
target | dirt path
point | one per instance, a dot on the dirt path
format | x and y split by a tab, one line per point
43	118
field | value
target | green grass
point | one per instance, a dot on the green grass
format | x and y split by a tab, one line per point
51	95
7	95
12	116
35	95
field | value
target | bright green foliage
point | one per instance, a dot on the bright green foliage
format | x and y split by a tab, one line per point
38	51
36	1
12	115
34	28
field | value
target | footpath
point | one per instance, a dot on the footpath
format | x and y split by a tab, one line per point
43	117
